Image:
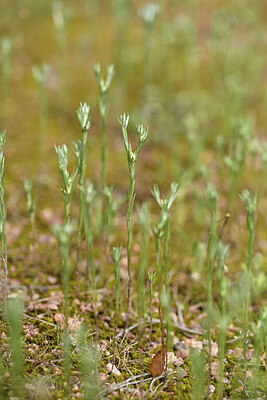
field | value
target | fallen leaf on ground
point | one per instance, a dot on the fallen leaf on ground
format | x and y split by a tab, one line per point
157	365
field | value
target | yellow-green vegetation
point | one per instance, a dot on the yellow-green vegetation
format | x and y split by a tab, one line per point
104	263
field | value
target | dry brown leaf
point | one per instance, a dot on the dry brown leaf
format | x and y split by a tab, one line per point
157	365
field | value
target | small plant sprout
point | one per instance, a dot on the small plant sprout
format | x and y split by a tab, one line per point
110	211
63	233
143	215
132	158
79	149
211	199
89	193
250	203
165	205
148	13
222	284
3	236
104	86
14	309
199	374
60	28
116	257
87	361
5	52
67	180
158	231
166	305
235	161
40	75
31	202
162	230
260	339
263	157
151	277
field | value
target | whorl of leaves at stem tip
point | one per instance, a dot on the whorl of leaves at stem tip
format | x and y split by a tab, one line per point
41	73
250	203
83	115
124	120
243	128
211	197
116	254
104	85
31	203
63	232
143	134
77	150
89	192
107	192
165	203
62	153
58	15
2	140
148	12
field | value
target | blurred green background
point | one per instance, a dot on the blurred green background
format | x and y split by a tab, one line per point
189	73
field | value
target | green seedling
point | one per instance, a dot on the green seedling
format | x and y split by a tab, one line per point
3	236
79	149
14	309
148	12
5	53
104	86
235	162
211	199
89	194
222	284
144	216
122	12
162	230
165	205
259	330
199	375
40	75
151	277
250	203
59	21
31	202
158	231
67	181
63	233
132	158
116	257
112	205
87	362
263	156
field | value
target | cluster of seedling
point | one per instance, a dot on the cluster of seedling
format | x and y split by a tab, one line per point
216	255
225	302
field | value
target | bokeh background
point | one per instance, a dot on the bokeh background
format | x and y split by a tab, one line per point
190	70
